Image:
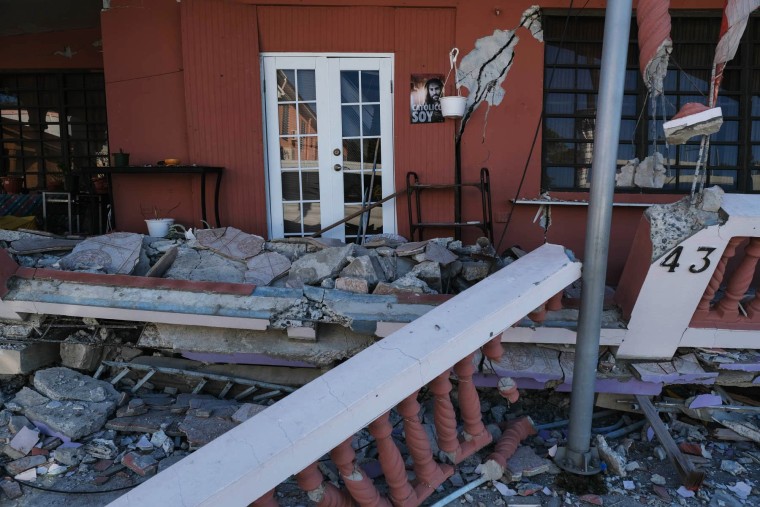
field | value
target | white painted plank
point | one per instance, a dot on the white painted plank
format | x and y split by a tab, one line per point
247	461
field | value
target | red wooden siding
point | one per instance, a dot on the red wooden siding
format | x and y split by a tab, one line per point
420	40
424	38
220	54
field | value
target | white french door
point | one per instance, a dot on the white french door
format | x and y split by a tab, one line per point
329	134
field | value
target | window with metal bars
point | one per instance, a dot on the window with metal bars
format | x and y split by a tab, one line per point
50	123
571	80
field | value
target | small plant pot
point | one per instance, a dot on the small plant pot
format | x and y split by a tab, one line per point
55	184
453	107
121	159
12	184
159	227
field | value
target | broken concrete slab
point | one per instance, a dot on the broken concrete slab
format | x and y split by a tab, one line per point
351	284
11	488
64	384
410	249
23	358
68	456
231	242
205	266
440	254
27	246
473	271
366	268
525	463
202	430
21	465
430	273
150	422
682	370
81	356
115	253
311	269
266	267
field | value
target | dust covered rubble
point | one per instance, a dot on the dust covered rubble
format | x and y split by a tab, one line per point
71	432
385	264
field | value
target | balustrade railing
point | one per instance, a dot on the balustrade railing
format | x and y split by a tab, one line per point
248	462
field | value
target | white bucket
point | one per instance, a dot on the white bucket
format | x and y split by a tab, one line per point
159	227
453	107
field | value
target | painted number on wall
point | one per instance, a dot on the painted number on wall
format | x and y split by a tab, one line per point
671	261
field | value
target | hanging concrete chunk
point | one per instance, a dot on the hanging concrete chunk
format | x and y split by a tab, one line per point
266	267
231	242
115	253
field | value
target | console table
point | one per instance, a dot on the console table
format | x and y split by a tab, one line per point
163	170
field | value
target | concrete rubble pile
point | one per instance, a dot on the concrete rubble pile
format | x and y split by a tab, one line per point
384	264
70	431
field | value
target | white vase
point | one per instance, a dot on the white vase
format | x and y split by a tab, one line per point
159	227
453	107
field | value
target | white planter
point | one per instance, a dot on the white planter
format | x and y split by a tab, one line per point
159	227
453	107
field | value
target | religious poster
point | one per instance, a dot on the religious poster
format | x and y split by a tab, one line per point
427	90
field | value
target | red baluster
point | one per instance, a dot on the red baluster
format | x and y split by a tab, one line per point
429	474
324	494
515	431
493	349
266	500
357	483
508	389
445	417
717	278
469	402
538	315
401	492
728	307
475	434
555	302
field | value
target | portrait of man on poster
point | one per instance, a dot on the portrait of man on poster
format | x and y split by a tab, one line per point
426	92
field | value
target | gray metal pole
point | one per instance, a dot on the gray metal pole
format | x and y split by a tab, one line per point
606	134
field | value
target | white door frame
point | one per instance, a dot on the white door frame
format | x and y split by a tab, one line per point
331	182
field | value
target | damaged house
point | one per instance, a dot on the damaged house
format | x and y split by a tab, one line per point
330	223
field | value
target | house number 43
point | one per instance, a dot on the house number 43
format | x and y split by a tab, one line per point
671	261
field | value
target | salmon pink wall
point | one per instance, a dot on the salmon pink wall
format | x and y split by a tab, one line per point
38	50
146	109
187	85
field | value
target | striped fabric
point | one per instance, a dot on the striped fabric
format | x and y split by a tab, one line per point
20	205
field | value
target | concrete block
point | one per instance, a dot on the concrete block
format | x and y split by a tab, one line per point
24	358
81	356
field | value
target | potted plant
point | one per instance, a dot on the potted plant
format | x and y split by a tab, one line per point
158	226
121	159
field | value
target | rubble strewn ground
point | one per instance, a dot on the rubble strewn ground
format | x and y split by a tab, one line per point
121	405
53	438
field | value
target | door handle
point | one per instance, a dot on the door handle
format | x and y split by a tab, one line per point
338	167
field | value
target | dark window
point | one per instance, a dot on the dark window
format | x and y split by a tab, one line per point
571	81
50	121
